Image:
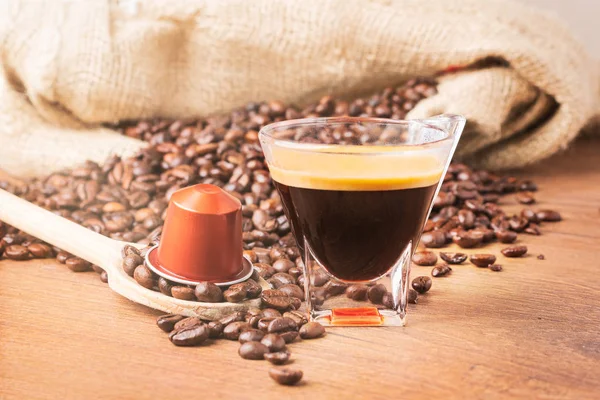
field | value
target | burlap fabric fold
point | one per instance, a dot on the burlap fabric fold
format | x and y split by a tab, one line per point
526	86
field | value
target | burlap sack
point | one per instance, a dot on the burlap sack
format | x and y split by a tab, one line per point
69	66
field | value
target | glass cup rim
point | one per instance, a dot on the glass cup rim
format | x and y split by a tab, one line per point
267	130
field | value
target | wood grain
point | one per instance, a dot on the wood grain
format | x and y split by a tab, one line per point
530	331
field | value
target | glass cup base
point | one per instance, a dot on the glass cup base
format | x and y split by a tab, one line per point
378	302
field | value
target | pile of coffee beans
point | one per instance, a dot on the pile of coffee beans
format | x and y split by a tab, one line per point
262	334
126	199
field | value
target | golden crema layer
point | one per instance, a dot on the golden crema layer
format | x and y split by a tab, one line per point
348	168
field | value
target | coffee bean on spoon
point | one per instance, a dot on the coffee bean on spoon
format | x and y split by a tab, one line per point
183	293
424	258
483	260
236	293
441	270
164	286
514	251
422	284
453	258
208	292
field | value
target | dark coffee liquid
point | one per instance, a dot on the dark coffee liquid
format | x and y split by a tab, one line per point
356	235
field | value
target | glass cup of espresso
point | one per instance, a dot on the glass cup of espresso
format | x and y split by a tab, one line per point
357	193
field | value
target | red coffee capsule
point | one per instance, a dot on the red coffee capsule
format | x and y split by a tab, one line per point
201	238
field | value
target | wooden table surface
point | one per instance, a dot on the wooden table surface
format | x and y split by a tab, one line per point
531	331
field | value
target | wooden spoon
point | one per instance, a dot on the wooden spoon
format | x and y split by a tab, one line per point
105	253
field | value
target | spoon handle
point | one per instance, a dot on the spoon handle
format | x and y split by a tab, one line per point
58	231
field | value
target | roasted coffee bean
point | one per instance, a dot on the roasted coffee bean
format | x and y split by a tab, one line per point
434	239
541	257
233	317
334	288
251	335
422	284
208	292
468	239
506	236
253	316
271	313
289	336
283	265
482	260
131	262
234	329
518	224
164	286
441	270
548	216
525	198
514	251
274	342
183	293
253	289
292	291
278	358
453	258
187	322
375	294
311	330
143	276
264	270
299	317
413	296
282	324
280	278
496	267
215	329
40	250
388	301
320	278
235	293
357	292
529	215
276	299
295	303
263	323
167	322
104	276
253	351
277	254
424	258
533	229
17	252
189	336
286	376
77	264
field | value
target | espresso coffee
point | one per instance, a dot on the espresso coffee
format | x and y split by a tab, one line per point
357	214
